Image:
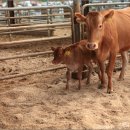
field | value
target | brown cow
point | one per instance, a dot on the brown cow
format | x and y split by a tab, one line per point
74	56
108	33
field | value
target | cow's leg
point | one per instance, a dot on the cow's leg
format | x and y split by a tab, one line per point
90	69
101	75
80	77
124	65
68	76
110	69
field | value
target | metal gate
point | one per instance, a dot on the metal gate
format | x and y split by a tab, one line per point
101	6
30	19
28	23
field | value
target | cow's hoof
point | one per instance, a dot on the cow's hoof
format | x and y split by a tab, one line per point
67	88
109	91
88	82
120	79
101	86
79	88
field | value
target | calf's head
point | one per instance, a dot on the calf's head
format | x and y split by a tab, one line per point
58	54
94	22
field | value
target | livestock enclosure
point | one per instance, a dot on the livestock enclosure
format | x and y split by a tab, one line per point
32	89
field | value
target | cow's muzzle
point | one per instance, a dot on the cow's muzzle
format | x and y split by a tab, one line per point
92	46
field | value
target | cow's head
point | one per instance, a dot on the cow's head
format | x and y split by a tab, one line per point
94	22
58	54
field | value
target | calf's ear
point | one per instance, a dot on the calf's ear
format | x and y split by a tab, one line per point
108	15
52	48
80	18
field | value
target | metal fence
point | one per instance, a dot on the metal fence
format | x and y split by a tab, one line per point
101	6
36	19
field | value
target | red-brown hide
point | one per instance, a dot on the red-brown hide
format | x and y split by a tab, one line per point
75	57
108	33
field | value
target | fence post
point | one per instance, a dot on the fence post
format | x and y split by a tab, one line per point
86	10
11	13
76	8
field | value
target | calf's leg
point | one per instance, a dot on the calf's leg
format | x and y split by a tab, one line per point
80	77
90	69
68	76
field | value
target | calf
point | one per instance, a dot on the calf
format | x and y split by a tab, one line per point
75	57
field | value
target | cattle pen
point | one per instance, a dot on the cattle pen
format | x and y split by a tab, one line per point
32	94
46	24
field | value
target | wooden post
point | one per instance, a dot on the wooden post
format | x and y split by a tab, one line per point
11	4
76	8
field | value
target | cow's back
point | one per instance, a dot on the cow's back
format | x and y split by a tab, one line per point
73	54
121	18
79	53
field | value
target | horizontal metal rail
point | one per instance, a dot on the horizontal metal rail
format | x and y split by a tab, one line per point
34	8
28	41
33	16
102	4
16	32
25	55
34	26
26	31
30	73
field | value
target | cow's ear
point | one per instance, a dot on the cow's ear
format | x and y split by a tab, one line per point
108	15
80	18
53	49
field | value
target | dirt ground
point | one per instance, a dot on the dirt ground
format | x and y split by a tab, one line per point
40	101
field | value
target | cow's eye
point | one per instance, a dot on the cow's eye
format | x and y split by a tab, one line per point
100	26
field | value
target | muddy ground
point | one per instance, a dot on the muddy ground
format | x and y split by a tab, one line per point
40	101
